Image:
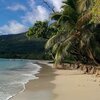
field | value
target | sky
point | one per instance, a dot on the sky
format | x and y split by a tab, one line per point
16	16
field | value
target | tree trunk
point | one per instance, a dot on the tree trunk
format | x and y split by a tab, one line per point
51	8
91	56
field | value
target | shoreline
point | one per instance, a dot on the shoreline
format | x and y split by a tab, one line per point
43	73
24	84
60	85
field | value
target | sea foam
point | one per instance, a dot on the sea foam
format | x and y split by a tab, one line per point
14	74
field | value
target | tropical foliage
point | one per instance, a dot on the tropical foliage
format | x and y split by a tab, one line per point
18	46
76	32
41	30
73	32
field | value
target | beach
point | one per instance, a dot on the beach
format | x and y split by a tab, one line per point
61	85
39	89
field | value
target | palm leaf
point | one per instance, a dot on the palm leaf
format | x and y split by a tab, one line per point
63	48
56	16
72	3
50	42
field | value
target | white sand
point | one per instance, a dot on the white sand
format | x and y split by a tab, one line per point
73	85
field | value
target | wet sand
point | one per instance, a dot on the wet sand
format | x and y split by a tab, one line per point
39	89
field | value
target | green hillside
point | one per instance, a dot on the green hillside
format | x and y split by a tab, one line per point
19	46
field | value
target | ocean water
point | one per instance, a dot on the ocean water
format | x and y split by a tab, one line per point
14	74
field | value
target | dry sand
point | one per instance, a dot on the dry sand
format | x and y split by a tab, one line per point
61	85
74	85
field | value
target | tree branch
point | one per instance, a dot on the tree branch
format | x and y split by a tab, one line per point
51	8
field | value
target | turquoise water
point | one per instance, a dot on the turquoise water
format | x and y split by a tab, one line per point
14	74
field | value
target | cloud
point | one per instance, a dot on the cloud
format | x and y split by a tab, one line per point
17	7
42	13
36	13
56	4
32	12
39	14
13	27
31	3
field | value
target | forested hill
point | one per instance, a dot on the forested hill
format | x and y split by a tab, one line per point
19	46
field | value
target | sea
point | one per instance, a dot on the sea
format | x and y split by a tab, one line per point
14	74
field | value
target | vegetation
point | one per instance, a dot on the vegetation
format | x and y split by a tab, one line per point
19	46
78	32
72	35
41	30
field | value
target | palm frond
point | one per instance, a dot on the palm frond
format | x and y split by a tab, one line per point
63	19
54	39
56	16
62	49
50	42
72	3
55	47
86	39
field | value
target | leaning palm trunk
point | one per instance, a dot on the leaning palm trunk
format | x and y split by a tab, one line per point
91	56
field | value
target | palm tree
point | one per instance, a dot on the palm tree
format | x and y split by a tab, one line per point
73	24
